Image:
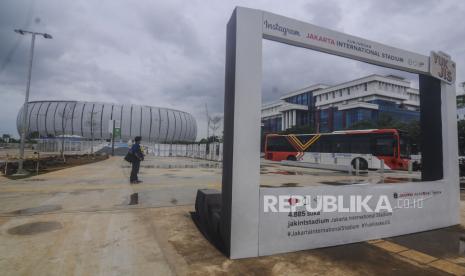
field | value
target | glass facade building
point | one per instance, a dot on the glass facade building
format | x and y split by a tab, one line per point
396	112
338	107
272	124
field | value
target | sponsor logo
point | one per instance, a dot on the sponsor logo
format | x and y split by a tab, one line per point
416	194
415	63
284	30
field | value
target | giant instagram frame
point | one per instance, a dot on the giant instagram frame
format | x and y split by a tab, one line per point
245	229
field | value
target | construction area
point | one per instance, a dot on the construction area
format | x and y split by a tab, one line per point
89	220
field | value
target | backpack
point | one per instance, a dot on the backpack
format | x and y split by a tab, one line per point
130	157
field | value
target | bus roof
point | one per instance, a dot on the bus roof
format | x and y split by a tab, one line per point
355	131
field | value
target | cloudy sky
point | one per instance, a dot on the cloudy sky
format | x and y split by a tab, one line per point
171	53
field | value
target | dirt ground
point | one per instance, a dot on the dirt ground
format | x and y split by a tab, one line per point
47	163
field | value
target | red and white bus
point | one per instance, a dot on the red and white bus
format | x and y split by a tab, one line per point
343	148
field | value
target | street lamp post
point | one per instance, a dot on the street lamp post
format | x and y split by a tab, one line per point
26	99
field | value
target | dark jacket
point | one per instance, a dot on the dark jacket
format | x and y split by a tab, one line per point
136	150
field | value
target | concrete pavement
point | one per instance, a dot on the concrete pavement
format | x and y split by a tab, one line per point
78	221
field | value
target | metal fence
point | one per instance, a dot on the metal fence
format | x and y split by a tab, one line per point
212	151
70	146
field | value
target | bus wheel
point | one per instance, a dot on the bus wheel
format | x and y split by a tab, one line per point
291	158
362	165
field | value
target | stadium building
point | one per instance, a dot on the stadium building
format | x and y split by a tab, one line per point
91	120
337	107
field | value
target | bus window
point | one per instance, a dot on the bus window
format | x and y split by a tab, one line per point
336	144
315	147
341	144
360	144
384	146
325	143
278	143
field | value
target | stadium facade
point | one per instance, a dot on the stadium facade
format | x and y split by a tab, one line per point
91	120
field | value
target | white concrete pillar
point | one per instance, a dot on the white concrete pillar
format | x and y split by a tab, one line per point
240	193
450	149
288	121
282	122
294	117
285	120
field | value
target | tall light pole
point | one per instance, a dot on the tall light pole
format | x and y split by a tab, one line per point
208	122
26	99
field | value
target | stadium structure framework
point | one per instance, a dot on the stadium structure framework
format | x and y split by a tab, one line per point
92	120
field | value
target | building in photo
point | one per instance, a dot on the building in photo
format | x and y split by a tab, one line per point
91	120
461	102
337	107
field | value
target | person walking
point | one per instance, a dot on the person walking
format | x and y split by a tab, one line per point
138	156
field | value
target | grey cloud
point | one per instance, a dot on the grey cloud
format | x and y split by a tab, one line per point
326	13
168	25
412	7
171	53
